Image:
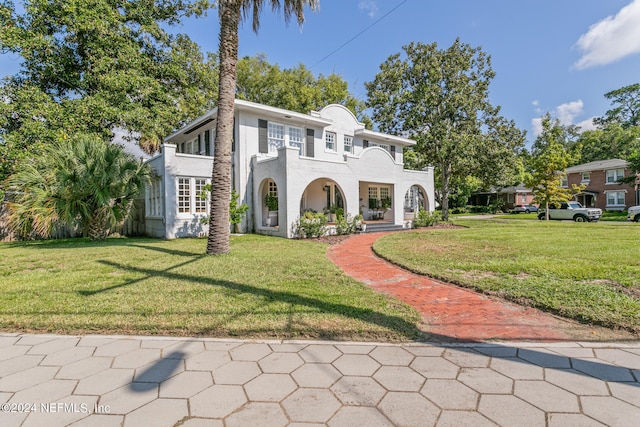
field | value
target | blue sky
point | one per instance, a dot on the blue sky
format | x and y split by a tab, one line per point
559	56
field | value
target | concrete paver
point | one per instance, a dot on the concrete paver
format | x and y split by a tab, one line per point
330	383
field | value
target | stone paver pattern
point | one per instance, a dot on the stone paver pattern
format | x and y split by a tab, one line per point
213	382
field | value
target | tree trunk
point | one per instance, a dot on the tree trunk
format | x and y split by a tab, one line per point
445	191
218	241
97	229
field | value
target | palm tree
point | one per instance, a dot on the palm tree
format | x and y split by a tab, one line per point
231	13
86	182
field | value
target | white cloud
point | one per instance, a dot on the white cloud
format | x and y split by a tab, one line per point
369	6
611	39
536	126
586	124
566	113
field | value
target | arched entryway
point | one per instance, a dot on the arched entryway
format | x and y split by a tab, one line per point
414	199
269	203
323	195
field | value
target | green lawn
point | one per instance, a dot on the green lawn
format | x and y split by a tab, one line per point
266	288
585	271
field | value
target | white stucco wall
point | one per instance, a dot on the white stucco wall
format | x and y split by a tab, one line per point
292	173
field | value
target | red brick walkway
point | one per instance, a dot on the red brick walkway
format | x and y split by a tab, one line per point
448	312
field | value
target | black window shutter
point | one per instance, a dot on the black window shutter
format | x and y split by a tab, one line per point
365	144
207	142
310	142
263	144
393	152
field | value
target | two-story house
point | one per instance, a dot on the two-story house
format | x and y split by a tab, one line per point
317	161
602	189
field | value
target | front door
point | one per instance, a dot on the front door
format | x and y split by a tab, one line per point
379	201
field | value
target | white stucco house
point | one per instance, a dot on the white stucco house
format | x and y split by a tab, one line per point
308	161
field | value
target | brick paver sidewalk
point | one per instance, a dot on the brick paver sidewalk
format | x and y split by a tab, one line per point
450	312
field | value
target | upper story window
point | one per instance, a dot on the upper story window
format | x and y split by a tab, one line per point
375	144
613	175
279	135
330	141
199	145
564	182
348	144
586	177
275	136
296	139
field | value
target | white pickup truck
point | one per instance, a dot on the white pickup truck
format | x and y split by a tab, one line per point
572	211
633	214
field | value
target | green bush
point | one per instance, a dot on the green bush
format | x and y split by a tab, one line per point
347	225
459	210
311	225
425	218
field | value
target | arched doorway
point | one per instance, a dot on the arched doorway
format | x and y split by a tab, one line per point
323	195
269	203
414	199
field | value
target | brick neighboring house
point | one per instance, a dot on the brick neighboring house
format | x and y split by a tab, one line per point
602	188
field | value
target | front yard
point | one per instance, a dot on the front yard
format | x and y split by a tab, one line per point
266	288
589	272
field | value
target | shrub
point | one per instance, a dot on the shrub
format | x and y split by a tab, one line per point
425	218
348	225
311	225
459	210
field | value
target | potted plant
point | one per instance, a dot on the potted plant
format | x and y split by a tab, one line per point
385	203
271	202
332	211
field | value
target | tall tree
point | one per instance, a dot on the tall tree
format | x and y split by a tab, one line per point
626	107
231	13
441	98
547	164
611	141
91	66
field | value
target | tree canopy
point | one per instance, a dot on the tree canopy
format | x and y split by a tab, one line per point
626	107
295	89
547	164
440	97
618	132
91	66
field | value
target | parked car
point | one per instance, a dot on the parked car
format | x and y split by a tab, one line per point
633	214
525	208
572	210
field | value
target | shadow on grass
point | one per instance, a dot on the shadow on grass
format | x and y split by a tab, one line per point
395	323
89	292
78	242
